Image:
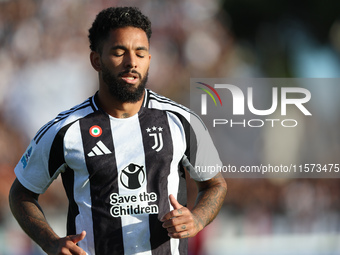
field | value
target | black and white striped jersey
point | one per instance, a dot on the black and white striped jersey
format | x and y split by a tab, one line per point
118	173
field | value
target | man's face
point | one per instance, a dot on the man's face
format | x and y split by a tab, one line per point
125	61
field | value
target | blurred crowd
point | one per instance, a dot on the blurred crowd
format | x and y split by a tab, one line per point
44	69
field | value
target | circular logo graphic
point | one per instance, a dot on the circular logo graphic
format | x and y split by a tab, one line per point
132	176
95	131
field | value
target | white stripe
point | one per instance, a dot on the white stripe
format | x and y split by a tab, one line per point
173	179
163	103
129	148
94	102
145	97
97	151
82	196
91	154
154	104
102	146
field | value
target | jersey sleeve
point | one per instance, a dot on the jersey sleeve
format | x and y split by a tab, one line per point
33	169
201	159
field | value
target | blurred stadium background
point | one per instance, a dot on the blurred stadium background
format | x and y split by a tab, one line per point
44	69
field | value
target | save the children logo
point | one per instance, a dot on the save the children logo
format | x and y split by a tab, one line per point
136	204
132	176
243	103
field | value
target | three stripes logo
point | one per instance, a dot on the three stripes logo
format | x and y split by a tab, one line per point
204	97
99	149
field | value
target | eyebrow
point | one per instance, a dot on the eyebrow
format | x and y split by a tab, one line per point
121	47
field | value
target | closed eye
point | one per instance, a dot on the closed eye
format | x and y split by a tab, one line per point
141	52
118	51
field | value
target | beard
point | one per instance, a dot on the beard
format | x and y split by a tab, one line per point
124	92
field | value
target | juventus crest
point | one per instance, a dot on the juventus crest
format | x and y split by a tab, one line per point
156	133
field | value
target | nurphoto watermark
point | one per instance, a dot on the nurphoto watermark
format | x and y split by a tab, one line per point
270	127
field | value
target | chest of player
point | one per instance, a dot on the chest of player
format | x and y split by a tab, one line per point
125	152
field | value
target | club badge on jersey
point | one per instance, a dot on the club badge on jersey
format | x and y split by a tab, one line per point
156	133
95	131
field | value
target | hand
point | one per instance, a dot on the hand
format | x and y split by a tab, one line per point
180	222
68	245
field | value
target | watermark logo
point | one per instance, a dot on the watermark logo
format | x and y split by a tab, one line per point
265	126
243	103
239	100
204	97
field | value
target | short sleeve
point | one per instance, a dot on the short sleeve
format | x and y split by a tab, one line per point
203	160
32	170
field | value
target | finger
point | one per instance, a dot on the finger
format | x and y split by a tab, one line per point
174	202
76	250
184	234
77	238
175	220
178	228
177	209
174	214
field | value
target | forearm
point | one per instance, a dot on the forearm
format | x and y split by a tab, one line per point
31	218
209	201
183	223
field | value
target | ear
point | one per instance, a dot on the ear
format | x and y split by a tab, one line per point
95	61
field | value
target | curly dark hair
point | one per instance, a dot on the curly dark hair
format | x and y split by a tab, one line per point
116	17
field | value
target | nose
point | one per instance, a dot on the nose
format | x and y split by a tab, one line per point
130	60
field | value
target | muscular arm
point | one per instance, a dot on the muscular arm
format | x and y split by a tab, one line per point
209	200
27	211
183	223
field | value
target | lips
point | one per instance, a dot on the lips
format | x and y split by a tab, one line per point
130	77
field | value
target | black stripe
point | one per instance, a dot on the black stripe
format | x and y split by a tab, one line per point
59	118
56	156
190	138
50	123
103	178
182	199
43	128
158	170
56	160
166	101
73	210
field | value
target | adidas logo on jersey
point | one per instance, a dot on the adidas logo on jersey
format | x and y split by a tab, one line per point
99	149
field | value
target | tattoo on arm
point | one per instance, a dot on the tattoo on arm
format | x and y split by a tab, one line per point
28	213
209	201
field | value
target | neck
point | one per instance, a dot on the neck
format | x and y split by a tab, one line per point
112	106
